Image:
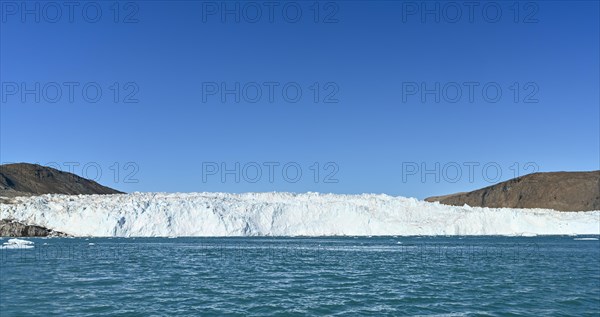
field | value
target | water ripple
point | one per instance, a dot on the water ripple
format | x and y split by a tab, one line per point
488	276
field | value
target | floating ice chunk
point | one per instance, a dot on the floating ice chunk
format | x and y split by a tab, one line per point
18	241
17	244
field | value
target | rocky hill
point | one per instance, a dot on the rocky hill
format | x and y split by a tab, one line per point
10	228
24	179
564	191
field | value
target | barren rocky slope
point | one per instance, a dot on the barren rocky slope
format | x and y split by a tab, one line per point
564	191
24	179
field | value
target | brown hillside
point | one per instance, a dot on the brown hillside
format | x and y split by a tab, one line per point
565	191
24	179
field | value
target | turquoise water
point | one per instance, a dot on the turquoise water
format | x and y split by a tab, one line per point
379	276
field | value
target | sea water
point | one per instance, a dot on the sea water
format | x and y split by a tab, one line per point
260	276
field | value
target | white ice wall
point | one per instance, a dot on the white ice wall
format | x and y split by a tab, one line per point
283	214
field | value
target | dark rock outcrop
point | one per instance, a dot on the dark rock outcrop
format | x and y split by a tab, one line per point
24	179
564	191
9	228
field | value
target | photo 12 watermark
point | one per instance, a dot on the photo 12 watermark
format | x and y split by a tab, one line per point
50	12
53	92
449	12
270	171
103	252
334	253
235	12
469	92
269	92
49	253
117	172
453	172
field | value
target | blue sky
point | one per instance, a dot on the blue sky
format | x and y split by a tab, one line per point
163	123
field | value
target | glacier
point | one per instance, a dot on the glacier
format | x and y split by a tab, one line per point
283	214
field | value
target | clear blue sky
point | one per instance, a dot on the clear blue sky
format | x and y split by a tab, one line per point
370	57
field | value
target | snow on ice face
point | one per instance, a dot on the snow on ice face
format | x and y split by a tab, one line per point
283	214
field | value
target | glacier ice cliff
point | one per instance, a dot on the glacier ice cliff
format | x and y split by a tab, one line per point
282	214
